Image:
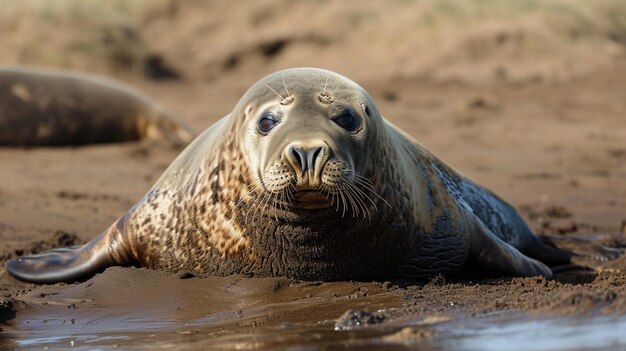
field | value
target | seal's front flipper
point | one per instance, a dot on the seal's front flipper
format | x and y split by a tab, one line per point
69	264
493	254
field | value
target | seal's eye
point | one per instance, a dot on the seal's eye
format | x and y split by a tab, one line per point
266	123
347	121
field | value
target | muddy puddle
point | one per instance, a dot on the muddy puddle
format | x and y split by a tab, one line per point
486	333
141	309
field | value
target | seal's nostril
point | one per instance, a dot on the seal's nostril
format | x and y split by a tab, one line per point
312	155
306	157
300	157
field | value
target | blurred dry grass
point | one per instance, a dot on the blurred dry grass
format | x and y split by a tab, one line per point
498	39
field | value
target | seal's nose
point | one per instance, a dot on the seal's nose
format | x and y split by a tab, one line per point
305	157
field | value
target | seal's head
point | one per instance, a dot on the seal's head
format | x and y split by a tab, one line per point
310	131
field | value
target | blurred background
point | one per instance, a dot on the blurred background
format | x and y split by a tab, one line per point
483	40
527	97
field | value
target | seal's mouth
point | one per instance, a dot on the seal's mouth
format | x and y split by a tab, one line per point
311	199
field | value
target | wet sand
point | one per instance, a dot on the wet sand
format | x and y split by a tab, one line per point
548	138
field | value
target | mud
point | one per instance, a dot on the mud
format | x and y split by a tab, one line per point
527	101
130	308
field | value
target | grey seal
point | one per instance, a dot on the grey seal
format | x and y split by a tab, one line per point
53	107
306	179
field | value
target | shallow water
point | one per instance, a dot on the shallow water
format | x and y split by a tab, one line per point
218	331
142	309
594	333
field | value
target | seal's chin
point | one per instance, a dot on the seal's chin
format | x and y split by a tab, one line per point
311	200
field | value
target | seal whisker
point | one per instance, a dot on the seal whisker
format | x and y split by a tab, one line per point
271	204
277	93
261	205
285	84
358	202
249	209
329	193
251	188
277	200
284	198
365	196
335	193
337	87
324	189
357	199
368	185
352	205
361	197
268	201
344	199
336	199
290	193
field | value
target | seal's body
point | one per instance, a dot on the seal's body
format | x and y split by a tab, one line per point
310	183
44	107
